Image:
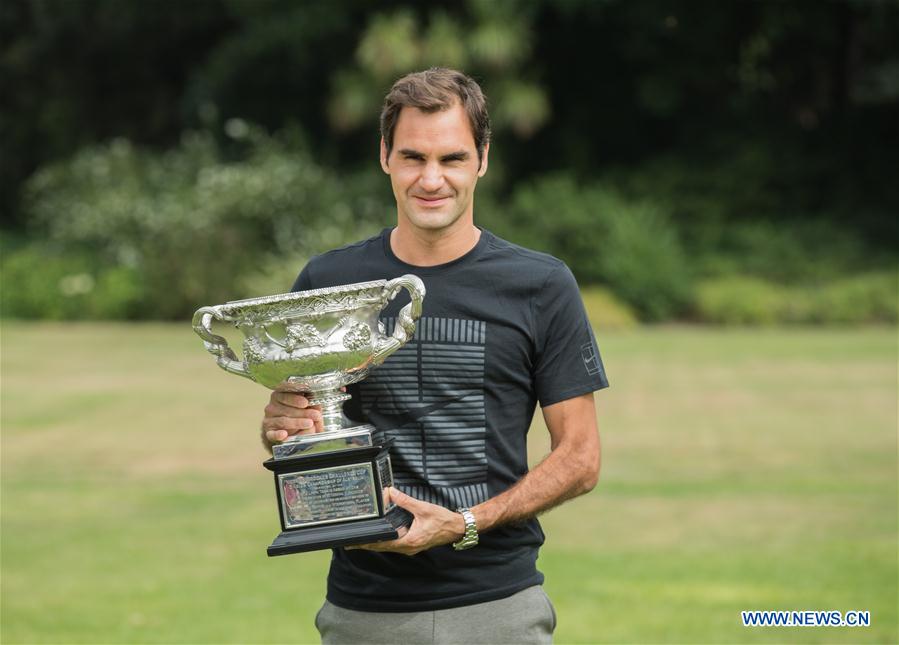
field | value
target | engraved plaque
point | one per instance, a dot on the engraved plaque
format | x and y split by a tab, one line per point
326	495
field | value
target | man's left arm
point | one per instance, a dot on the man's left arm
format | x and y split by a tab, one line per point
570	469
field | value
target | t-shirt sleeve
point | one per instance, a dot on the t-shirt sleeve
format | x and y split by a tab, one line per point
303	281
567	362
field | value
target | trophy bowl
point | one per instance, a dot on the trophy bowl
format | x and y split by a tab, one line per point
314	342
330	485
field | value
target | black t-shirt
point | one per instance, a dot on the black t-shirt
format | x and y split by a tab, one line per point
502	328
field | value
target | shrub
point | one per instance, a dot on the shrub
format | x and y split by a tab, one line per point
605	311
39	282
739	301
865	298
195	222
812	251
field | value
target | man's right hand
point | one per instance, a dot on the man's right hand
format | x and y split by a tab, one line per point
287	414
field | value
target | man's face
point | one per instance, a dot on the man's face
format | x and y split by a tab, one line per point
433	168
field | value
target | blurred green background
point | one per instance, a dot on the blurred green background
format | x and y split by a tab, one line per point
719	176
721	162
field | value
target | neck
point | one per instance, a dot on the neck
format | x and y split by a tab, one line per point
430	248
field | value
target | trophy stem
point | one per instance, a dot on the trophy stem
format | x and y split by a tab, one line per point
331	403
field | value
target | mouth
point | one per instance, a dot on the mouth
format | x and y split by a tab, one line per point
431	201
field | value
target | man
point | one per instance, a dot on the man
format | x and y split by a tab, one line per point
502	328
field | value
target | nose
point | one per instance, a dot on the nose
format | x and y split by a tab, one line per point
431	179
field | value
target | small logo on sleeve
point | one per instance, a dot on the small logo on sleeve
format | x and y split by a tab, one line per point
591	359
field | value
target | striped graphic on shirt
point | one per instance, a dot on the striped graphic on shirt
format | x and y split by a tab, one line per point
429	398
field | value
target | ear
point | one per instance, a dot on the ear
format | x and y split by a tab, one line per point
384	166
483	169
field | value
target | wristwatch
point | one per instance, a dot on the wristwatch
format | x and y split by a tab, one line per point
470	537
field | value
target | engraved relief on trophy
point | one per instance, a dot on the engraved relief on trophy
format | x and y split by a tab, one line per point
299	334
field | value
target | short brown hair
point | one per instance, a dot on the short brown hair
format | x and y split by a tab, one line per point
433	90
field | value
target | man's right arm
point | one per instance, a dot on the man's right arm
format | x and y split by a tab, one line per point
288	414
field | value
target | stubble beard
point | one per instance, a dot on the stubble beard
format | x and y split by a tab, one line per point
434	221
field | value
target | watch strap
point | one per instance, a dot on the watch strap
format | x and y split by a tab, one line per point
470	537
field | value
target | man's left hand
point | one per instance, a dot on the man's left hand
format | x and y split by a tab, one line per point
432	526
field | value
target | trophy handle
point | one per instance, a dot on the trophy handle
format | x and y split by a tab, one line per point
217	345
405	323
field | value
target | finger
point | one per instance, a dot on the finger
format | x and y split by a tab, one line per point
304	426
395	546
384	545
279	436
290	399
371	546
276	436
287	423
405	501
292	425
274	409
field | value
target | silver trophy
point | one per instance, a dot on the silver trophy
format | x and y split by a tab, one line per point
330	485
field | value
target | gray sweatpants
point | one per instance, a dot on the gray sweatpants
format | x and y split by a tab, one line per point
525	617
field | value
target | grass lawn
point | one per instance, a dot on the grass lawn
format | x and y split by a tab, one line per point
742	470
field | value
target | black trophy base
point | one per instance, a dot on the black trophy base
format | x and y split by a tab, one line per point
313	538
